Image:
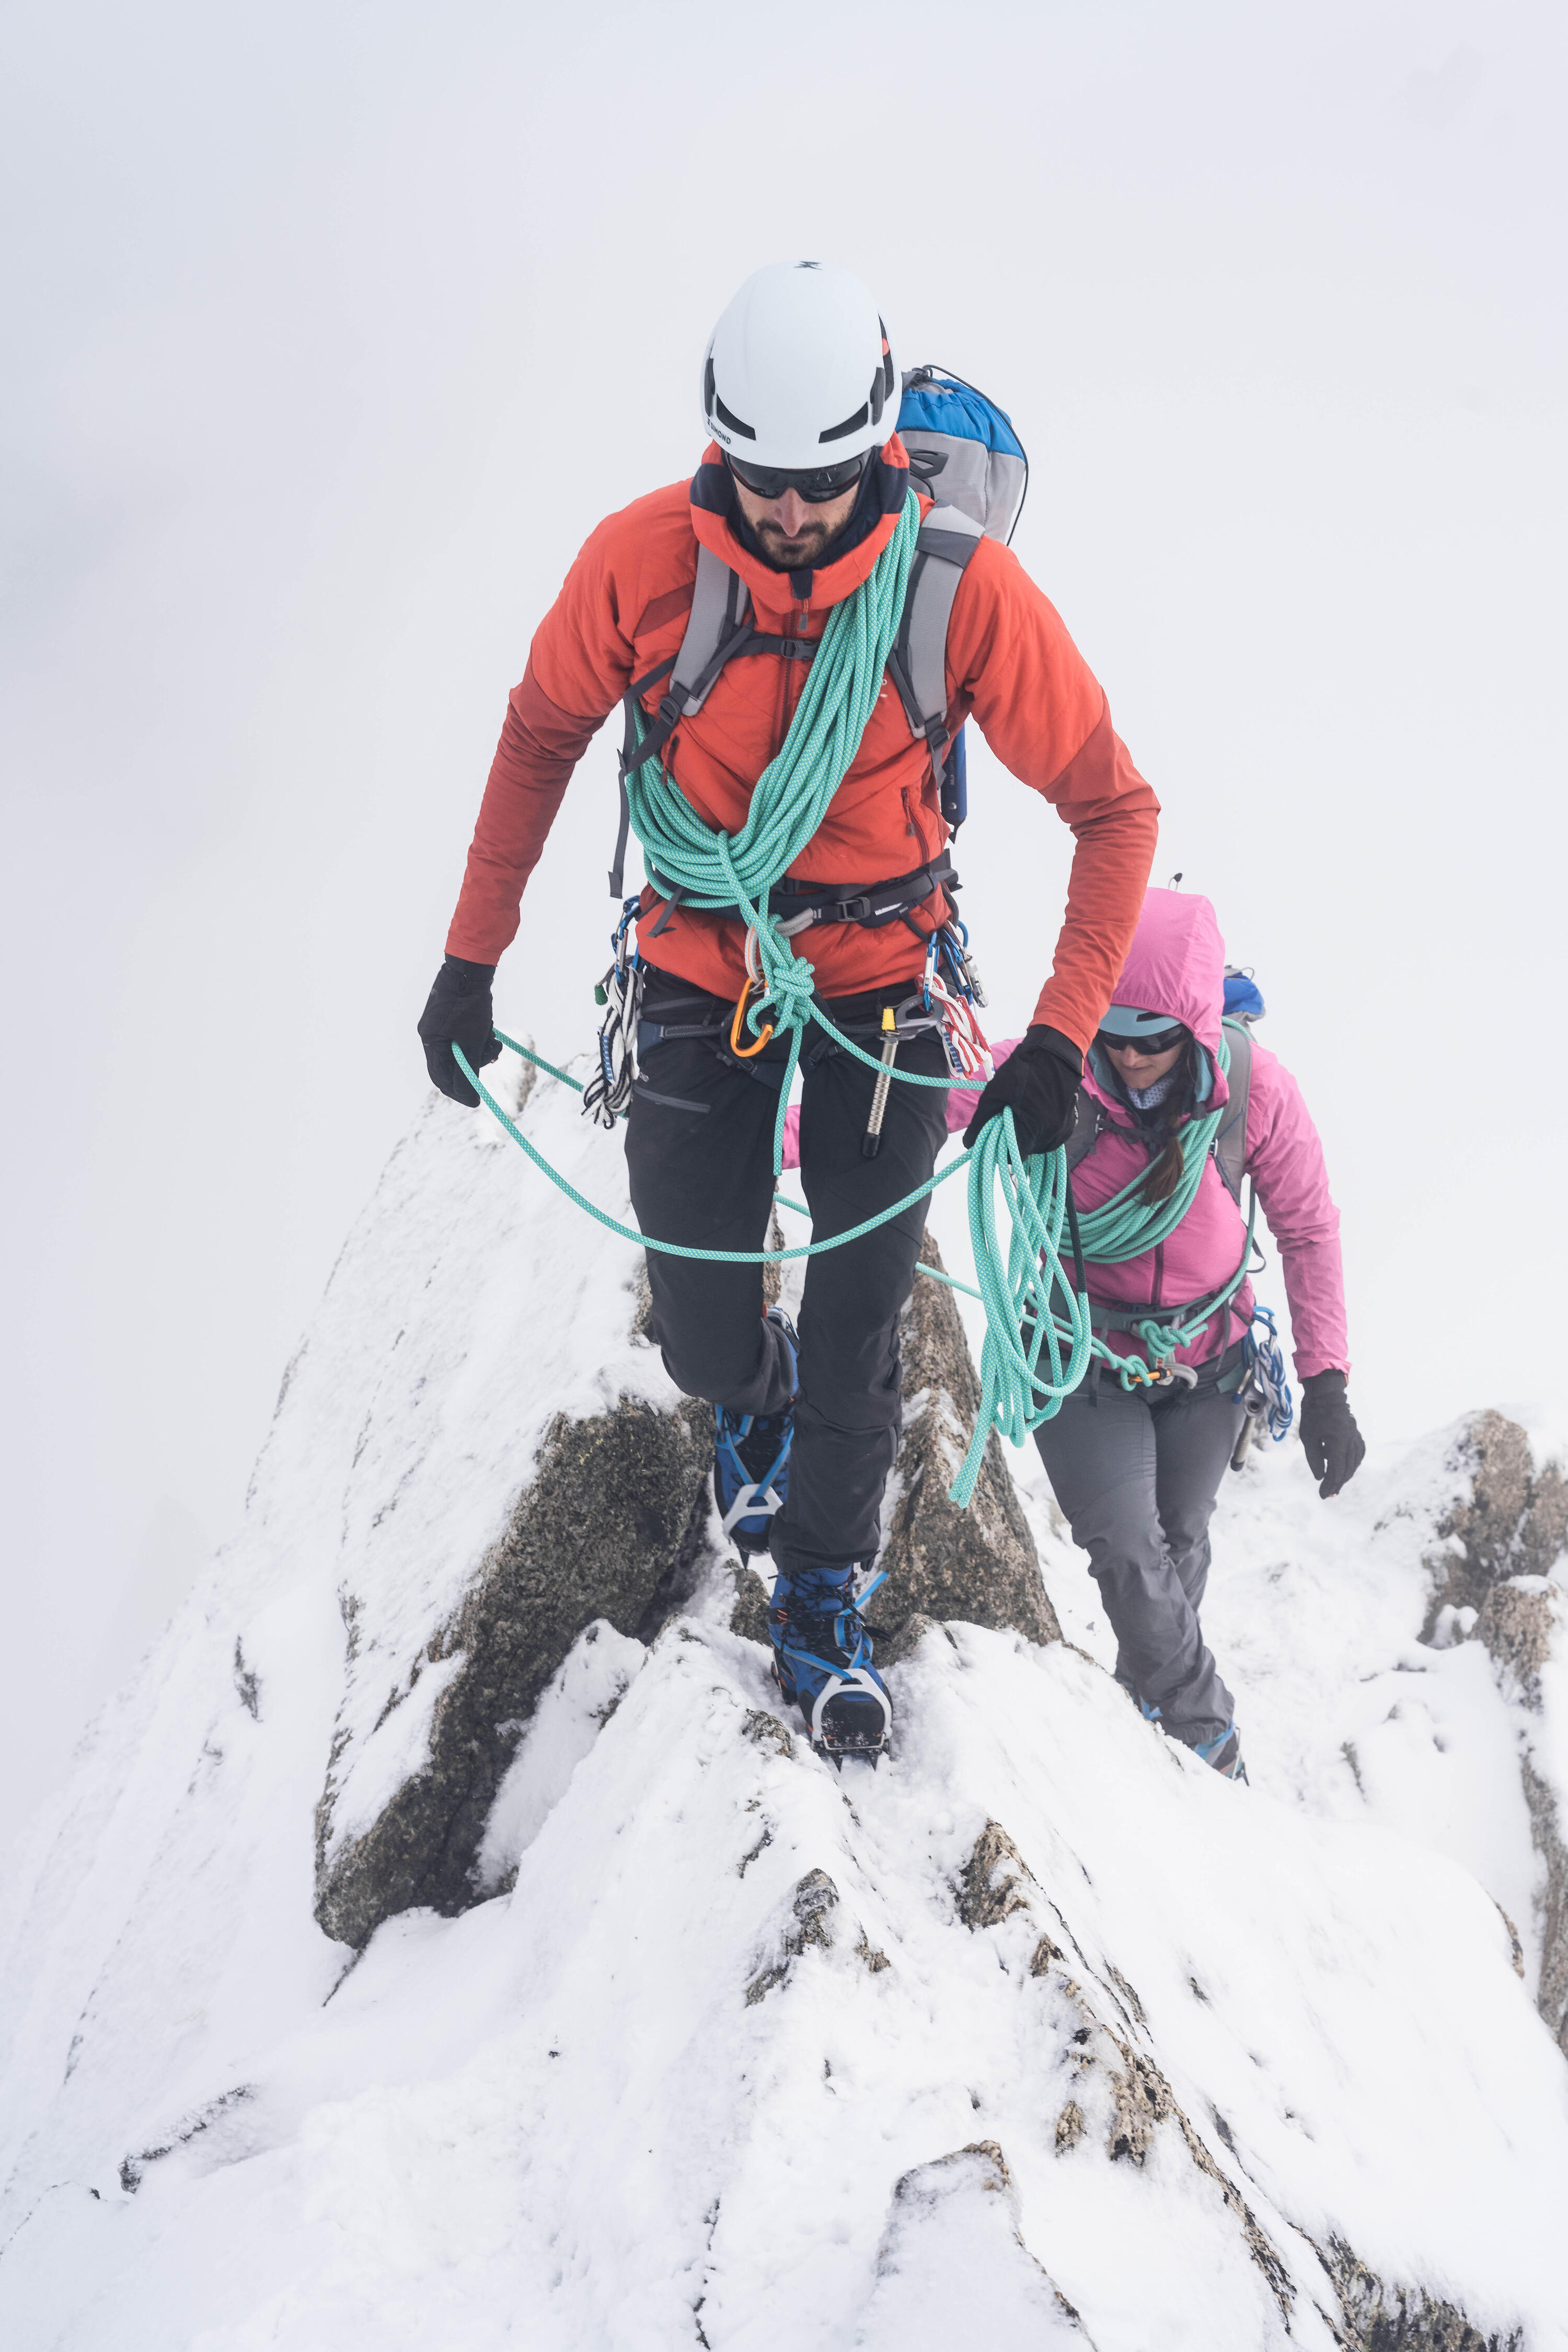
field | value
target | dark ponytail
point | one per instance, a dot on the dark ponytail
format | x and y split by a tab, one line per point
1165	1174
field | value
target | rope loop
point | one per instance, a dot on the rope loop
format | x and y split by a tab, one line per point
1039	1337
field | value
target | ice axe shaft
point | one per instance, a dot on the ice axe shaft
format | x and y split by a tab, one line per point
871	1142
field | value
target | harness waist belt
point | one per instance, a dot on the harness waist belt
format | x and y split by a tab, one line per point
1123	1315
1224	1372
907	1023
803	904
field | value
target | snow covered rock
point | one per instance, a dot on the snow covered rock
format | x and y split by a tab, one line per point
498	1461
1507	1520
953	2267
597	1530
1400	1653
1493	1582
1039	2034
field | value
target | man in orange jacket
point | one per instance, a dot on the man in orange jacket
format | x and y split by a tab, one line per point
798	493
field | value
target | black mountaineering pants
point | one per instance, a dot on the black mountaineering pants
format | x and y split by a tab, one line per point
700	1140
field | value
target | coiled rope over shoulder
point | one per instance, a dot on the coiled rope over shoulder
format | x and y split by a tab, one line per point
1039	1332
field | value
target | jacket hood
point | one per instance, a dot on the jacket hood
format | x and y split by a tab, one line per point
1176	966
775	591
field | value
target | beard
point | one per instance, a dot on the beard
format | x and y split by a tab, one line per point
803	553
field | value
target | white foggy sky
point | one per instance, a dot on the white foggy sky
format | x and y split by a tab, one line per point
333	330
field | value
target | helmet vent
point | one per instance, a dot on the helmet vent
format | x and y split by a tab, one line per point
747	432
850	425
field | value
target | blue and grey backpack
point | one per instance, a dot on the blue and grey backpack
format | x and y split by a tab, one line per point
965	454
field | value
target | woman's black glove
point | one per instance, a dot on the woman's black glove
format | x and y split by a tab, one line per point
1039	1083
1335	1446
458	1011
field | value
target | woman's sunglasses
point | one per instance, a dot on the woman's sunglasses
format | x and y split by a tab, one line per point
1159	1041
817	486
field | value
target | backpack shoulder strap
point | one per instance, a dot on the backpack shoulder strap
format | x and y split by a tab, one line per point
717	618
918	662
1230	1143
715	628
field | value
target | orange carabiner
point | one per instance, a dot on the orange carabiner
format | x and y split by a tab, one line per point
745	1053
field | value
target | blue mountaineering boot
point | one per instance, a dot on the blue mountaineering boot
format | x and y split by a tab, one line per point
821	1660
1223	1752
750	1462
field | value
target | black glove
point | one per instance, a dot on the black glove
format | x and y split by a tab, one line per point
1335	1446
457	1012
1039	1083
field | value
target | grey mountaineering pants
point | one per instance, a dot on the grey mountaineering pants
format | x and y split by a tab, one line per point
1137	1475
699	1139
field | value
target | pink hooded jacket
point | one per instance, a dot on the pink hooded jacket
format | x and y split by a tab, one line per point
1176	966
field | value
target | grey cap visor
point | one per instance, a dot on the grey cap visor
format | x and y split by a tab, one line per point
1136	1025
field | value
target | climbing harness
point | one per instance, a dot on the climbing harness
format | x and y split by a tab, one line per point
1039	1324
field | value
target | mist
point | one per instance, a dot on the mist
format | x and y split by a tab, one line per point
332	332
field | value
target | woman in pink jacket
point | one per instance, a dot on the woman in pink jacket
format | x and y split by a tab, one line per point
1136	1472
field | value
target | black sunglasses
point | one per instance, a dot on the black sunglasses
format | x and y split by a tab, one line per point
816	485
1159	1041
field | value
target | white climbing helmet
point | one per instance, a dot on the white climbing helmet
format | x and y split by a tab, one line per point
798	372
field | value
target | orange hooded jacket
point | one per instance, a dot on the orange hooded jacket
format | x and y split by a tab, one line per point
1010	662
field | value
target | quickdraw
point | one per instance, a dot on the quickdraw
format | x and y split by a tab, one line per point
1266	1379
950	987
609	1092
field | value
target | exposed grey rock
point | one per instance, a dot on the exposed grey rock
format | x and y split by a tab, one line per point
1516	1951
1384	2318
1552	1904
1518	1623
132	2168
246	1682
1132	2097
812	1905
1515	1624
750	1615
1504	1536
979	1564
1513	1521
993	1883
608	1528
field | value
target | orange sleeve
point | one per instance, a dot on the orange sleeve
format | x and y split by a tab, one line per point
1037	703
540	746
579	665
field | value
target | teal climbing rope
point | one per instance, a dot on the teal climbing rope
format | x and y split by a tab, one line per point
710	870
1039	1331
647	1241
1030	1305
